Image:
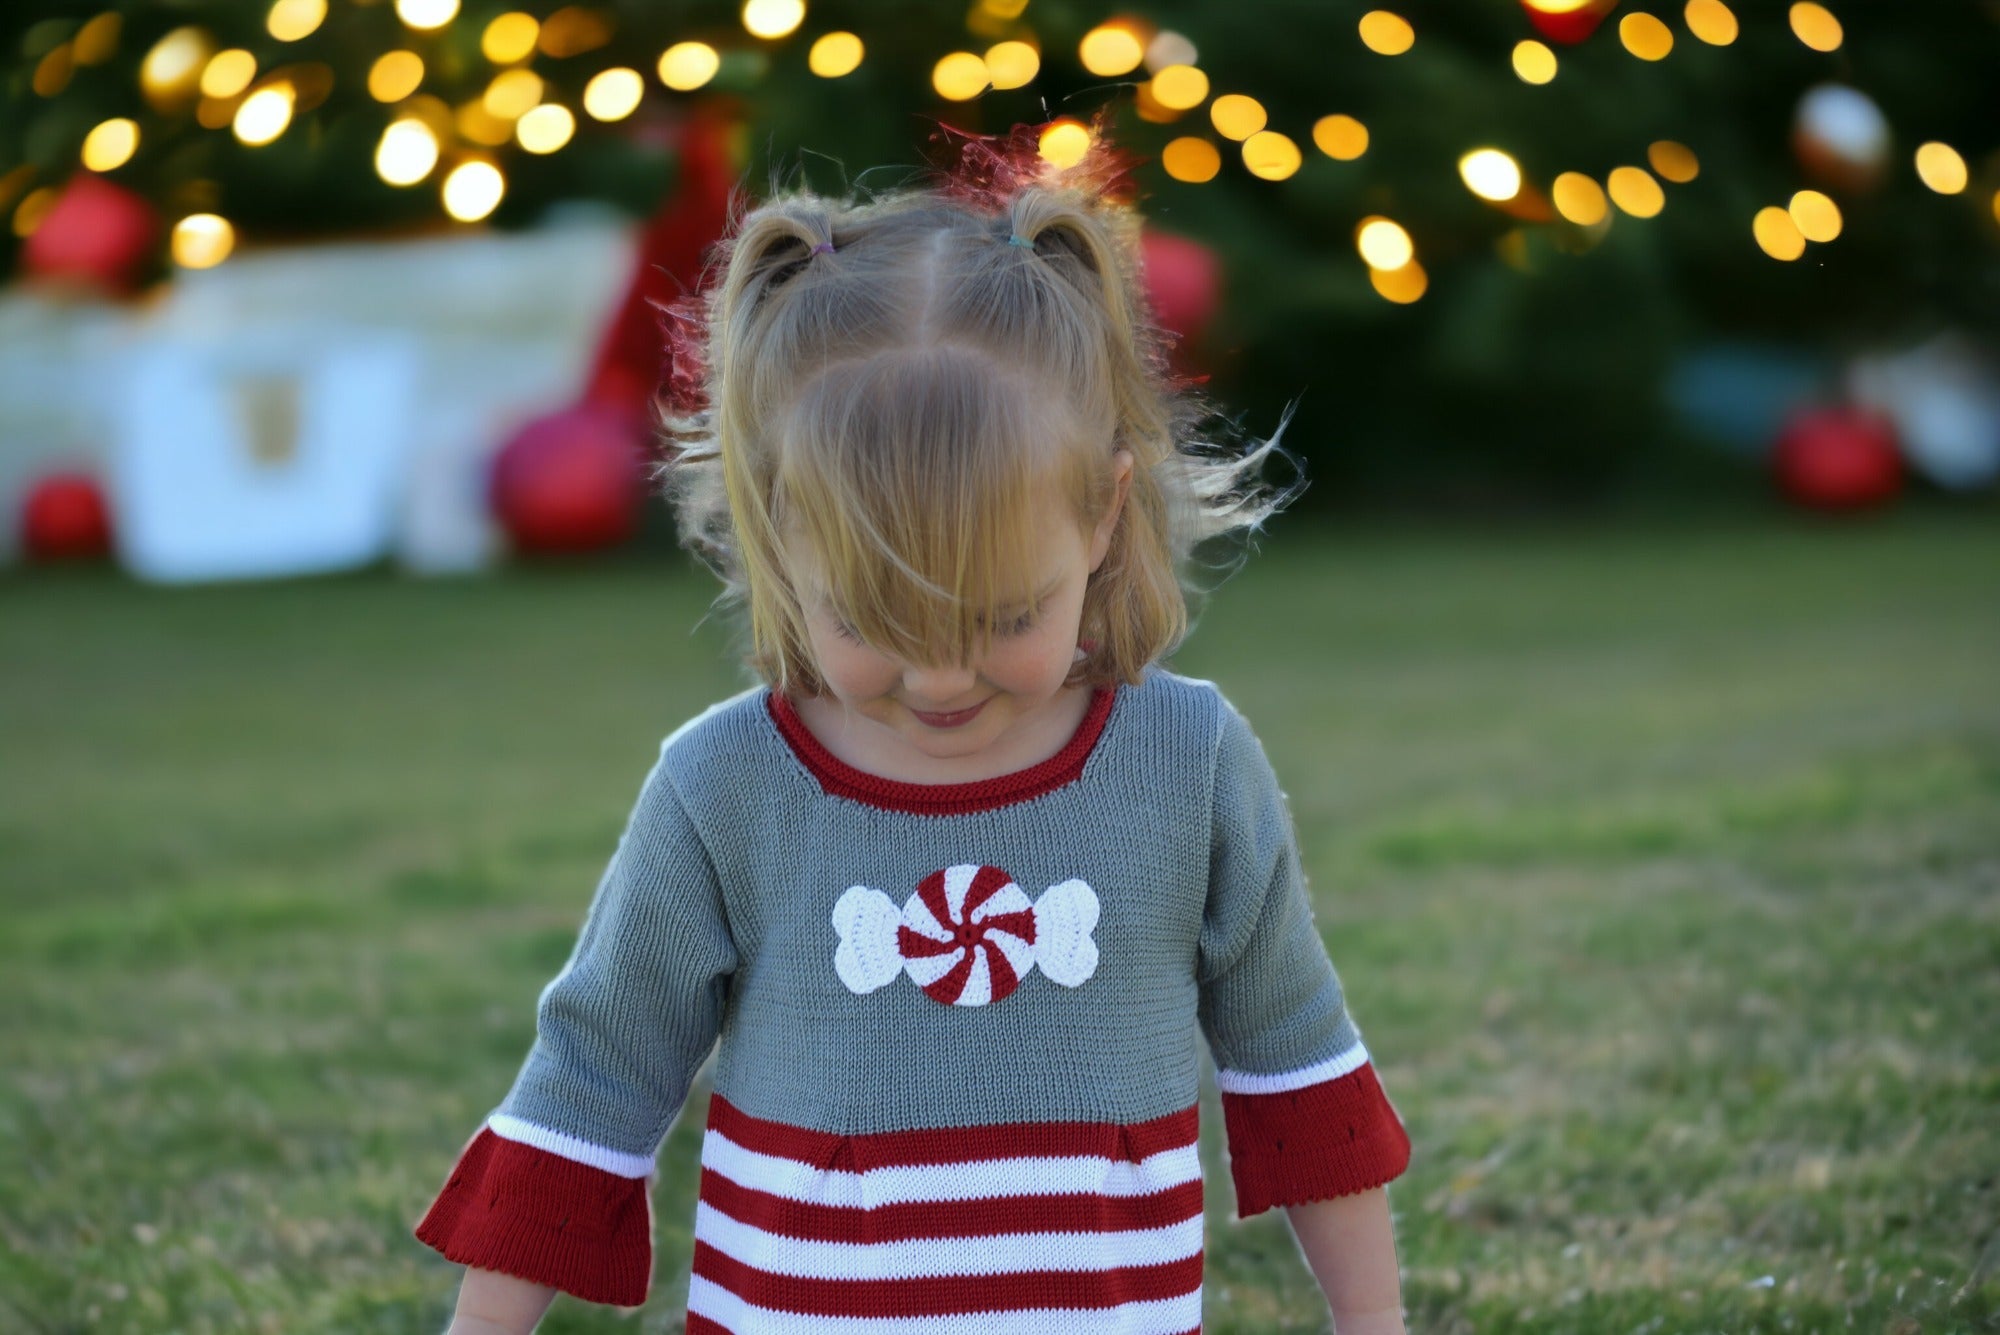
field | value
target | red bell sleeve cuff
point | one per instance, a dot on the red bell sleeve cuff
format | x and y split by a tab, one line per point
1322	1140
533	1214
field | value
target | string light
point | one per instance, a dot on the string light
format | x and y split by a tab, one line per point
52	71
475	123
172	68
473	190
1236	116
1402	285
960	77
1579	199
426	15
1191	159
545	128
33	209
1635	191
1816	26
1340	137
1270	155
1012	64
835	55
1676	162
1064	143
1110	50
512	93
1645	36
1180	87
772	19
111	144
1491	175
1941	168
228	73
510	37
1711	21
686	66
202	241
395	75
1816	216
613	94
1170	48
290	20
1777	234
1534	62
1383	244
407	152
1386	34
263	115
97	40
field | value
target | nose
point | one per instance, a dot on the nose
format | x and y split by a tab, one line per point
938	686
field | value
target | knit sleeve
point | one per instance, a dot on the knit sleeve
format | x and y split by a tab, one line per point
1306	1117
554	1187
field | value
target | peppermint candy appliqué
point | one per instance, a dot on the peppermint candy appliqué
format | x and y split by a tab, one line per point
967	937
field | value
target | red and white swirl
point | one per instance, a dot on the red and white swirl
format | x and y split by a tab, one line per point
967	935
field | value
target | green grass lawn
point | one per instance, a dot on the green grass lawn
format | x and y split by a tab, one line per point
1662	869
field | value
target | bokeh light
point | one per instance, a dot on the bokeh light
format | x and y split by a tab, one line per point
407	152
263	115
1340	137
1065	143
512	93
1579	199
1711	21
1634	190
1236	116
111	144
1270	155
772	19
1386	33
1675	161
1191	159
1534	62
30	212
1645	36
202	241
1941	168
228	73
1383	244
614	94
835	55
1815	215
290	20
1816	26
545	128
172	68
395	75
97	40
1110	50
960	77
1777	235
1401	285
1170	48
1012	64
1180	87
686	66
473	190
1490	174
510	37
426	15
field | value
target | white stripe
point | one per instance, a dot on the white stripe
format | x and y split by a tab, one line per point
1244	1082
957	881
1081	1175
1159	1316
570	1147
978	989
931	1258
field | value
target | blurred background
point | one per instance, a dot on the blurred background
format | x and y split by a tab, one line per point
1630	661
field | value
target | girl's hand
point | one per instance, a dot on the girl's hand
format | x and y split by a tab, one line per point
490	1303
1351	1247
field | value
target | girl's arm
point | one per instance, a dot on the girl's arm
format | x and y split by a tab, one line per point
490	1303
1351	1248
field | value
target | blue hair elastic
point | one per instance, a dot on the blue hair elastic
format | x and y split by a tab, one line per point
1022	241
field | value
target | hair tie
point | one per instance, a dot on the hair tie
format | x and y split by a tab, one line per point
823	248
1018	240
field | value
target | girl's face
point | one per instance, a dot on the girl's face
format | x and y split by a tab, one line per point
1005	708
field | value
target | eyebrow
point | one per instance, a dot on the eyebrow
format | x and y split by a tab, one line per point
1034	600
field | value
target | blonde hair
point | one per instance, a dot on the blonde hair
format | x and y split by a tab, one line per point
892	390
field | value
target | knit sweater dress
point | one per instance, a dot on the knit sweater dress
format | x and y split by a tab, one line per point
957	1076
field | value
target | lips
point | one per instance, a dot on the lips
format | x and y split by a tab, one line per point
957	718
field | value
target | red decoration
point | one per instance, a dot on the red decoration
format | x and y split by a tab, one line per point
64	518
1841	458
1184	283
97	233
570	481
1567	21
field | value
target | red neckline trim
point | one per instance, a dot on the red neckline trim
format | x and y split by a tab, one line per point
837	778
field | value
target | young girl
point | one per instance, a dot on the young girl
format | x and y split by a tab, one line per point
960	885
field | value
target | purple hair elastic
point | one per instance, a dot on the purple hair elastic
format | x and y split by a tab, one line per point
823	248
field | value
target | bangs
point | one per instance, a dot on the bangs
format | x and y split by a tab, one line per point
919	483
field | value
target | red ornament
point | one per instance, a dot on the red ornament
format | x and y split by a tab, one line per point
1183	282
570	481
1841	458
1567	21
64	518
97	233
